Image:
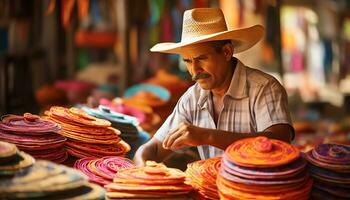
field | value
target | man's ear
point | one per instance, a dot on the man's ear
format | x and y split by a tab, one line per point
227	49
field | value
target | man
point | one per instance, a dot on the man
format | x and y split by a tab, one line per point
229	100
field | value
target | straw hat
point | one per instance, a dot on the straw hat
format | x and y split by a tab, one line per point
208	24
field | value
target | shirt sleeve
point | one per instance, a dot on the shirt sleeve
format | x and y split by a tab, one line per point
179	114
271	107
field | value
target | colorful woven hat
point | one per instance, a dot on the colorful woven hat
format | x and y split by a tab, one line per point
332	153
28	123
227	192
261	152
329	166
202	176
125	109
102	170
262	168
336	166
154	180
34	135
99	149
7	151
33	142
284	171
82	164
17	163
112	116
87	135
47	180
76	116
152	92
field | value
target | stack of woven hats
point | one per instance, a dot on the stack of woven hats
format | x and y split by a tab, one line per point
23	178
202	176
129	127
329	165
12	160
34	135
153	181
86	135
262	168
102	170
156	97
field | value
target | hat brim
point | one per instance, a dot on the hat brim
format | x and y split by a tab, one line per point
242	40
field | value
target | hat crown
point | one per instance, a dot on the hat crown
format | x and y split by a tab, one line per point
202	21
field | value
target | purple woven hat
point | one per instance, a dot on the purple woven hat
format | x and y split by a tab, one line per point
332	166
332	153
284	171
27	123
48	140
301	177
329	175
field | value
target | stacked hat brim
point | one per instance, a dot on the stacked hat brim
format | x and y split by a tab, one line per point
157	97
48	180
154	181
202	175
102	170
35	136
149	120
24	178
87	136
146	94
173	83
125	123
12	160
139	112
129	127
262	168
329	165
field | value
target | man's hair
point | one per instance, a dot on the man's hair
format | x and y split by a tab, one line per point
218	44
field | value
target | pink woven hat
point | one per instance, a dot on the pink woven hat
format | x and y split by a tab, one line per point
208	24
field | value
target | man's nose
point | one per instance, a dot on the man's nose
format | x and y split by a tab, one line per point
195	67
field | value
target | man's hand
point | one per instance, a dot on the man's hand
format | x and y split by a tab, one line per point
138	161
185	135
152	150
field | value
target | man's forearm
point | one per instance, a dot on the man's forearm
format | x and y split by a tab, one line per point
222	139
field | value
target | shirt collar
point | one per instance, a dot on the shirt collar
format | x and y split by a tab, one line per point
237	88
203	96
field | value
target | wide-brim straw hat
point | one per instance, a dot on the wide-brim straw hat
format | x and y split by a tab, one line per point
208	24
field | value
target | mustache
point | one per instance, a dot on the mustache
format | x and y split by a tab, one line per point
200	76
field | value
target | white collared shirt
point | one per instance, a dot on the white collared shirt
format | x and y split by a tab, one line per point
254	102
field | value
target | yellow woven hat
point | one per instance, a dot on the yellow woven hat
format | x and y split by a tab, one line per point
208	24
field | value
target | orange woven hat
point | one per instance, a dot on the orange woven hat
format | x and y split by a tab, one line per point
208	24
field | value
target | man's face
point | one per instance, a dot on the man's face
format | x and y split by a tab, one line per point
208	65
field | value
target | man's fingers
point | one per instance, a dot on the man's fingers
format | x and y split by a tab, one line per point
171	138
168	139
171	132
174	130
178	143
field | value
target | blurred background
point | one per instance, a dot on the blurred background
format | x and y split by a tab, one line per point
96	52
